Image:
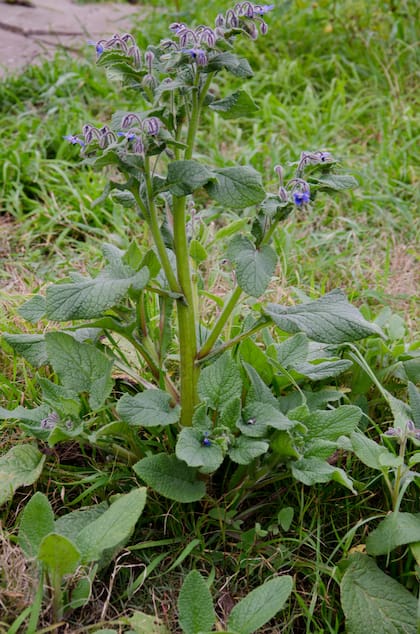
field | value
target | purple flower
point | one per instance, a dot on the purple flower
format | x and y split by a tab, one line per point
71	138
301	198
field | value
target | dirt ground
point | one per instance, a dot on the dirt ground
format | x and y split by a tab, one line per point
31	33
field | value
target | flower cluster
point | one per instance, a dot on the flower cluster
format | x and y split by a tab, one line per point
199	42
410	431
313	158
134	130
296	189
244	16
124	43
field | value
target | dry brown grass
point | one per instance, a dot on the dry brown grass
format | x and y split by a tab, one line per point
17	580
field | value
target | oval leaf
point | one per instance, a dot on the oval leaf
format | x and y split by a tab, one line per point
20	466
37	521
236	187
170	477
331	319
149	409
395	530
195	605
260	605
113	527
59	555
184	177
373	602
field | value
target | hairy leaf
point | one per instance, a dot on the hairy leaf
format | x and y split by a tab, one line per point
375	603
245	450
191	449
331	319
170	477
220	382
238	104
30	347
81	367
184	177
20	466
37	521
395	530
260	605
112	527
236	187
195	605
148	409
254	267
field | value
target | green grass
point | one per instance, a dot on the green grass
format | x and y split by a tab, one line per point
329	75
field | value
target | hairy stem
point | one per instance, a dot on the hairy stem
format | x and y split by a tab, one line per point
187	318
155	229
186	308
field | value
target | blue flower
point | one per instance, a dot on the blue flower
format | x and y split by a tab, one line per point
98	47
264	8
206	442
300	198
128	135
198	55
71	138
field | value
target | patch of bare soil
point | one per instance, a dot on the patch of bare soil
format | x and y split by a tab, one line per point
28	34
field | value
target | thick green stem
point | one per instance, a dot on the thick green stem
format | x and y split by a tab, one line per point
186	308
187	318
228	308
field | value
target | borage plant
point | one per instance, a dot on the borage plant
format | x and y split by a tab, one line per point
144	371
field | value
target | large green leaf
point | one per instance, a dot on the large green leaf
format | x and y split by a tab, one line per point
112	527
245	450
71	524
191	449
369	452
171	477
294	350
238	66
36	522
236	187
395	530
220	382
148	409
195	605
184	177
258	417
331	319
238	104
88	298
334	182
20	466
59	555
81	367
331	424
375	603
314	470
260	605
34	309
254	267
30	347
